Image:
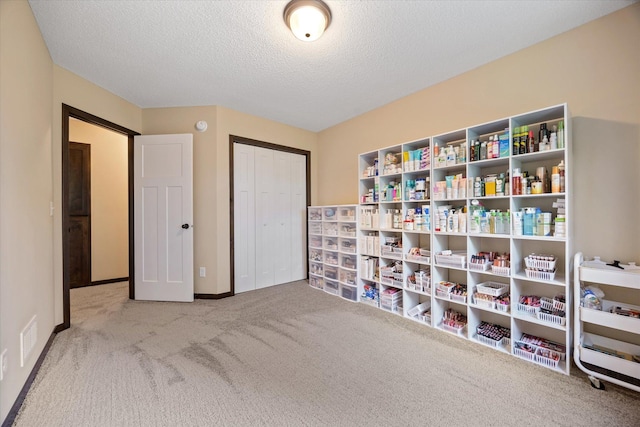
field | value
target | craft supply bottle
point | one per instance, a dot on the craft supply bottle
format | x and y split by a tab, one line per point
484	223
451	157
442	157
476	187
561	226
555	180
500	185
516	184
529	221
542	133
454	222
553	142
561	134
515	147
397	219
518	226
507	184
418	220
561	172
427	219
523	139
472	151
544	144
408	223
531	142
492	222
477	144
388	219
496	147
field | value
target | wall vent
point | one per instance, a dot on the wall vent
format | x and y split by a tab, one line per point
28	339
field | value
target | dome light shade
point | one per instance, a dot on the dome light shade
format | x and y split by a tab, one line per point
307	19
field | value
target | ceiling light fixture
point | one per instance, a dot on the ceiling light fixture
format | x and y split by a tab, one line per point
307	19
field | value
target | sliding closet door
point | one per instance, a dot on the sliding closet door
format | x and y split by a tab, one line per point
244	221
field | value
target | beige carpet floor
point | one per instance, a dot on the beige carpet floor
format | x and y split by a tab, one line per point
292	356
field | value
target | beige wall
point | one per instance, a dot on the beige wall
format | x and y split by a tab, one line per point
109	199
26	267
211	176
73	90
594	68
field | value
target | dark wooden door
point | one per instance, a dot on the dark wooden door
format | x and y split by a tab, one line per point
79	237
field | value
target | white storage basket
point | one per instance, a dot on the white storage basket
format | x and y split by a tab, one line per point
493	288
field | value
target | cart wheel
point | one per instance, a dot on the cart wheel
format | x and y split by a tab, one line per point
596	383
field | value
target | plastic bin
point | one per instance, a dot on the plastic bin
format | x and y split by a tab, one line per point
331	272
347	230
348	261
331	287
314	214
501	271
349	292
347	213
540	275
348	246
492	288
316	282
330	243
452	258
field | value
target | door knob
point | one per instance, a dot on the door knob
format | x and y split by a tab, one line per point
185	226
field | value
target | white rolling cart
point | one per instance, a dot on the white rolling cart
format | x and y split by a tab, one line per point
601	351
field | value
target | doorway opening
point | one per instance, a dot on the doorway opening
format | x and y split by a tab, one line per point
270	217
70	113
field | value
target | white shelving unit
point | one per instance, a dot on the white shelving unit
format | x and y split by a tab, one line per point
598	350
333	250
423	263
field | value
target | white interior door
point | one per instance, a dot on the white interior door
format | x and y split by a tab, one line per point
163	217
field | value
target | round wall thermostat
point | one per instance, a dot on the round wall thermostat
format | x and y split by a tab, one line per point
201	126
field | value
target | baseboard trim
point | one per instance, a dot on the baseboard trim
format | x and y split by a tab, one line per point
107	281
213	296
13	413
59	328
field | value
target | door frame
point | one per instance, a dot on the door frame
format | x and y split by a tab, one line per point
69	112
248	141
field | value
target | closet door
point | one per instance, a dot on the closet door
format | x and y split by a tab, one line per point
244	221
265	228
283	216
270	202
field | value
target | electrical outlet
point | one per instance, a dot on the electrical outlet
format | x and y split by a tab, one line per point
203	272
3	364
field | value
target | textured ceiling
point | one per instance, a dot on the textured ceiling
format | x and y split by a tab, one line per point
240	54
